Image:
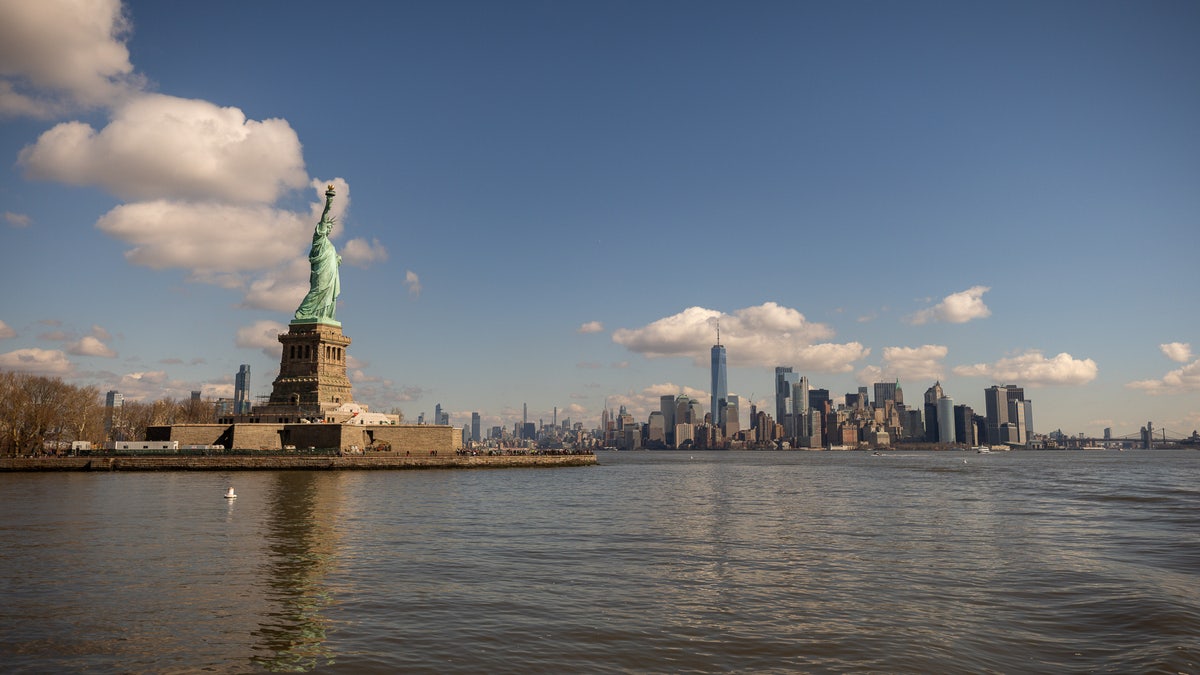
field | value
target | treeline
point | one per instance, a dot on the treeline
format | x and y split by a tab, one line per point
45	415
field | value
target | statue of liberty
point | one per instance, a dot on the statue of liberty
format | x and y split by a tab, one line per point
324	286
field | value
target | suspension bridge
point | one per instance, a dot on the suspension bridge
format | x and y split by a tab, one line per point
1146	438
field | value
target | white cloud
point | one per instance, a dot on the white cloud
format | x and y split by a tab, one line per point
413	282
201	180
591	327
956	308
6	331
361	253
1179	352
907	363
1179	381
90	346
57	55
164	147
262	335
207	237
17	219
869	375
1033	369
279	290
37	361
640	404
765	335
151	385
216	390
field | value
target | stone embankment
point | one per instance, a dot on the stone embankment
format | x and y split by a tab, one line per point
287	462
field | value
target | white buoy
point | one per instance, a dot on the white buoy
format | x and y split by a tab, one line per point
230	494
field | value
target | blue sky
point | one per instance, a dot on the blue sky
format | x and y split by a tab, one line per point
552	203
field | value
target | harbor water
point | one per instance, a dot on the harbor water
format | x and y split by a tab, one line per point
679	562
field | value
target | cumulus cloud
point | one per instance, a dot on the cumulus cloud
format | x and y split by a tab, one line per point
1179	381
956	308
413	282
48	362
216	390
262	335
57	55
1179	352
361	253
641	403
258	250
152	385
1033	369
91	346
868	375
765	335
201	181
17	219
279	290
208	237
907	363
165	147
6	331
591	327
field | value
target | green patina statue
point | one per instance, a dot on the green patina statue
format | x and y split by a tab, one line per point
324	286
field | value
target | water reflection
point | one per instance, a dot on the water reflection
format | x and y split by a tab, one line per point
301	551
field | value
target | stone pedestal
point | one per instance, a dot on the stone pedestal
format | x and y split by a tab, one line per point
312	369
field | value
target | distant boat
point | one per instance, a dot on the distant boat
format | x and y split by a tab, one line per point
983	450
230	494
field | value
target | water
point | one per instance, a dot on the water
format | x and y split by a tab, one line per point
679	562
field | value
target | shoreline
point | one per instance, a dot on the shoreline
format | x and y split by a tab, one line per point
286	463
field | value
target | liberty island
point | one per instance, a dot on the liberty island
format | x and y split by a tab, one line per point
311	420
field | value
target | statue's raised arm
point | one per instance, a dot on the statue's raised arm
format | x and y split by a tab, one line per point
324	284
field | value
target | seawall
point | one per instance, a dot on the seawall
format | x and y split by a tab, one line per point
288	462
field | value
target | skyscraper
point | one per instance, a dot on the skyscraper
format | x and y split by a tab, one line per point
964	425
113	402
1005	405
720	386
932	395
666	405
733	422
784	379
945	416
800	408
886	391
1028	419
475	430
241	390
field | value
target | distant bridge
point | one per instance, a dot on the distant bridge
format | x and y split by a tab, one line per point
1147	438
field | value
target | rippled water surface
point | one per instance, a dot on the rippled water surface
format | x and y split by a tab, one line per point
651	562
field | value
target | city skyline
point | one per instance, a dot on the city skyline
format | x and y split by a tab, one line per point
555	205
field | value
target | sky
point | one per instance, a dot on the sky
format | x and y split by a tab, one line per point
554	203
